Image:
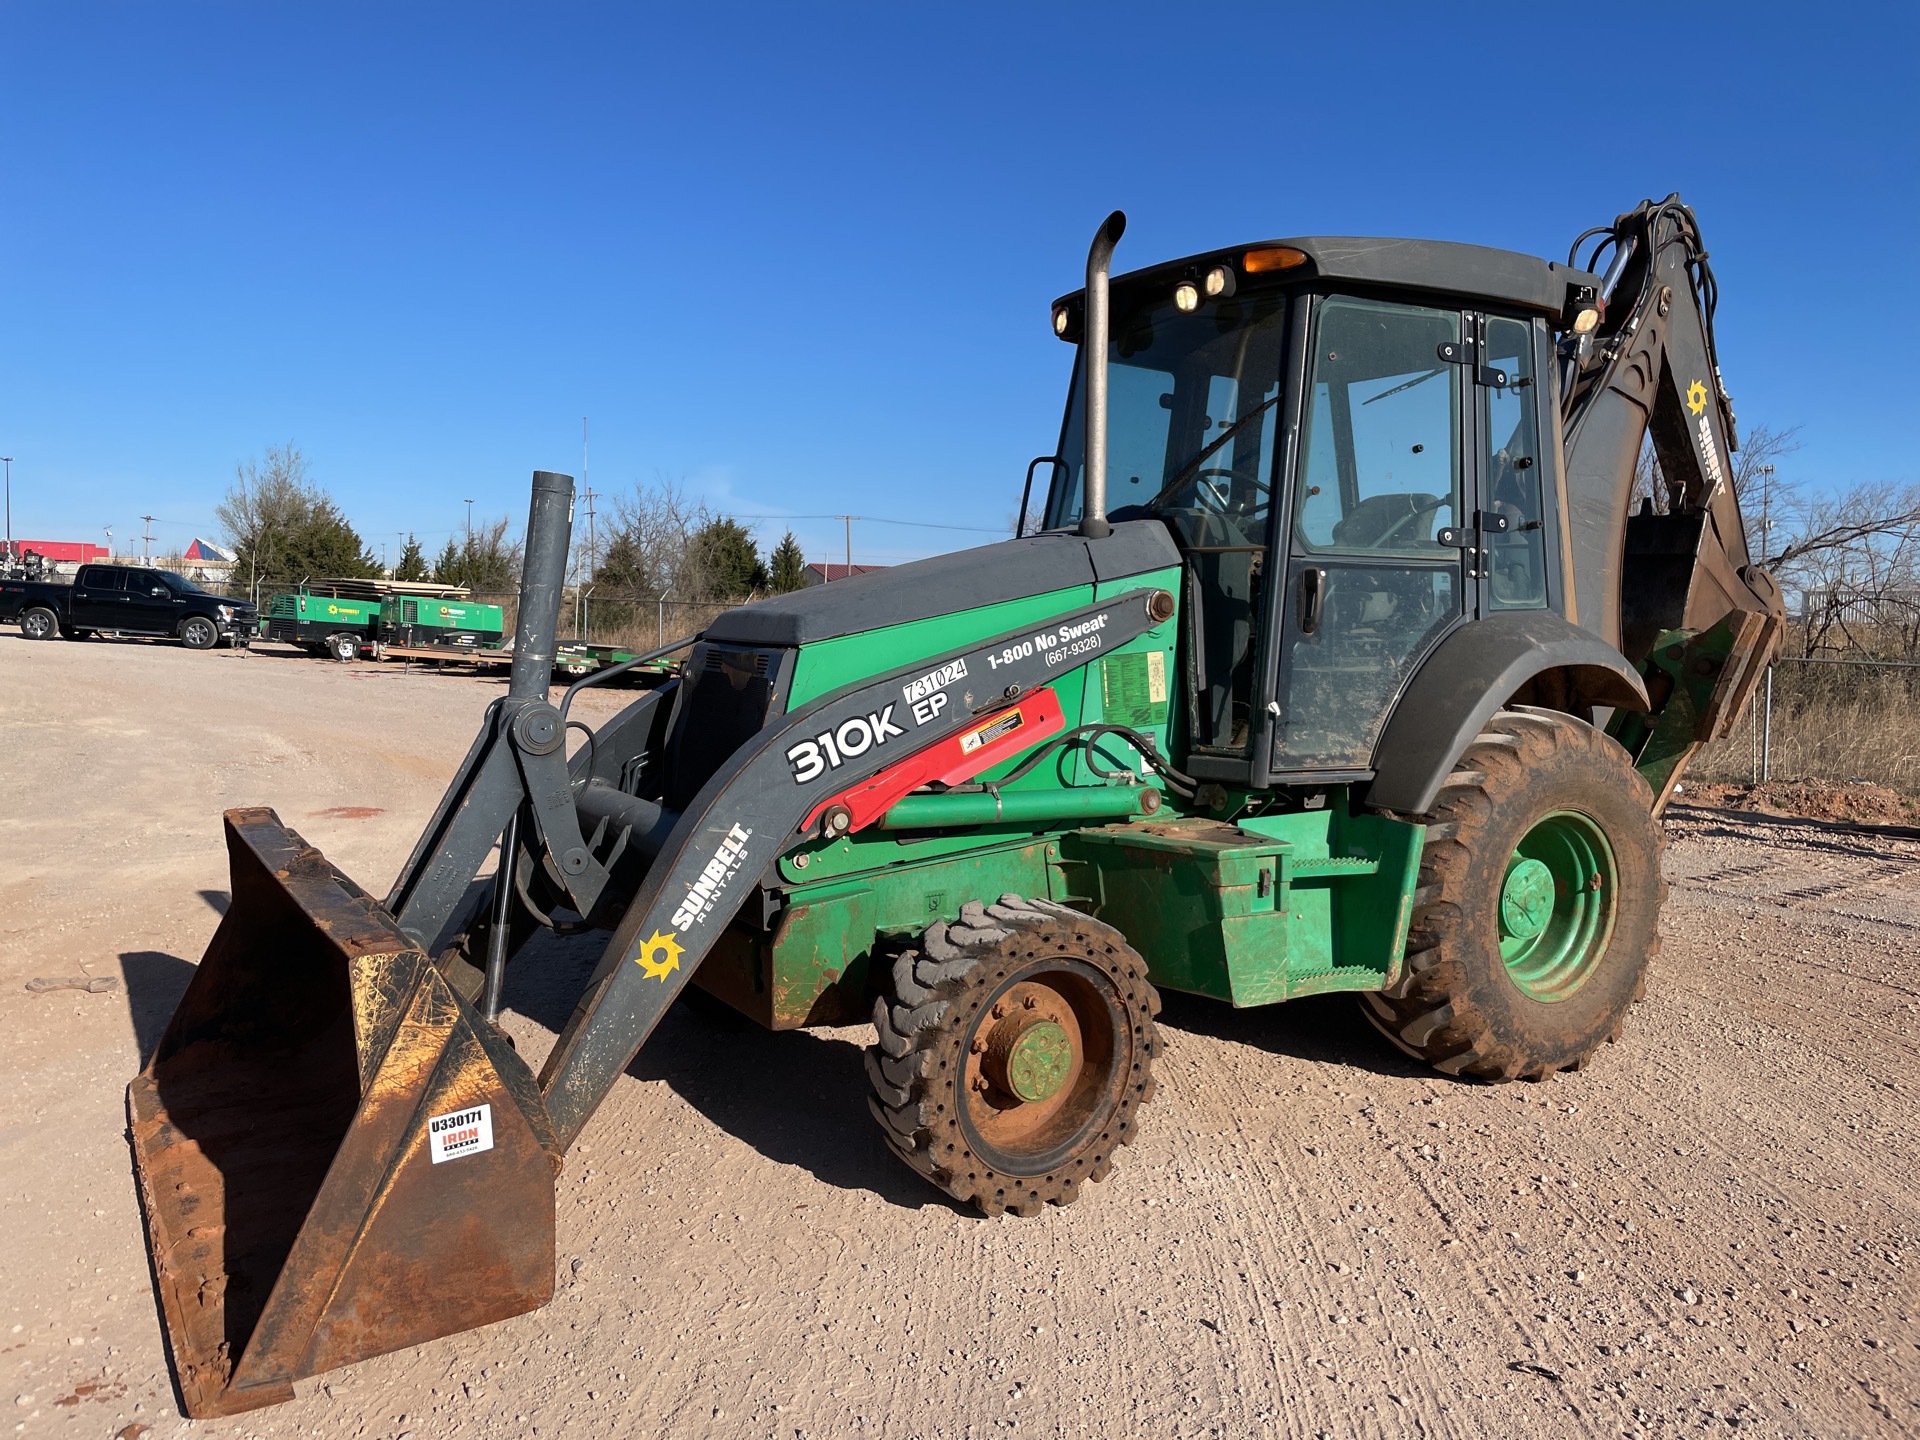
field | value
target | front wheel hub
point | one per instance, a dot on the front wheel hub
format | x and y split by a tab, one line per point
1030	1061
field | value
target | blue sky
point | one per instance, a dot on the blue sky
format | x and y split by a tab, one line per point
799	258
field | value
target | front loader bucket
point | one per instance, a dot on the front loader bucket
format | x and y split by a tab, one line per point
336	1156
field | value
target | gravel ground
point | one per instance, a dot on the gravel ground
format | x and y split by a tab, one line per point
1714	1227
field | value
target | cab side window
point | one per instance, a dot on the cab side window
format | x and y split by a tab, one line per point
1380	472
1517	569
103	577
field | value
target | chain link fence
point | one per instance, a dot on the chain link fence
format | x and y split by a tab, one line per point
1826	718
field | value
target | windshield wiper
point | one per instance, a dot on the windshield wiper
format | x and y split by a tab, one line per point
1407	385
1187	470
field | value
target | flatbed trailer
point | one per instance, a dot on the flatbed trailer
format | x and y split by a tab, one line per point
445	655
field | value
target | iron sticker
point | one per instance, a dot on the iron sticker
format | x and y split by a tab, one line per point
460	1133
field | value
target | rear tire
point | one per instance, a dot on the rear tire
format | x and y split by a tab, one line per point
199	633
39	623
1538	906
1013	1054
343	647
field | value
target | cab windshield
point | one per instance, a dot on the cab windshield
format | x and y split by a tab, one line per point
1193	410
180	583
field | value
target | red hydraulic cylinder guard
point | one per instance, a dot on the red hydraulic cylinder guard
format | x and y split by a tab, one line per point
958	758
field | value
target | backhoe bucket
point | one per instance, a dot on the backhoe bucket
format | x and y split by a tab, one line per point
337	1157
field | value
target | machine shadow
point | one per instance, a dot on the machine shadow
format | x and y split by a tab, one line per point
155	982
1320	1029
797	1097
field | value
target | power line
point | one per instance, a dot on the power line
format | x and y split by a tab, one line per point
882	520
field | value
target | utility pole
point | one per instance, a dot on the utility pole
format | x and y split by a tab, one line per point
469	522
849	520
1766	510
593	549
146	542
9	463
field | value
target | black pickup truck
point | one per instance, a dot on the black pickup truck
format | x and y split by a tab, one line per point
129	600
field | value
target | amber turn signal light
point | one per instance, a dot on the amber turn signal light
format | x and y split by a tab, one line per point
1274	257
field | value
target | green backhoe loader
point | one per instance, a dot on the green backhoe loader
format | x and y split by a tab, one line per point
1340	660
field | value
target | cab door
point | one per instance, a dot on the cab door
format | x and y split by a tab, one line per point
1376	570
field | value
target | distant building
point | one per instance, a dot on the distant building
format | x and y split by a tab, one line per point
207	550
62	552
824	573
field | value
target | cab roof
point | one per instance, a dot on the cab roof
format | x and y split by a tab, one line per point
1446	267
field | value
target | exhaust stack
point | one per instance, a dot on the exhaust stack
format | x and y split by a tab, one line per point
1093	511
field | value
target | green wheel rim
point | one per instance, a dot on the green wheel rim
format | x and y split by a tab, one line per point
1557	905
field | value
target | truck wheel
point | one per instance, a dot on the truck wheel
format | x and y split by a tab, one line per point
1013	1053
1538	907
343	647
199	633
39	623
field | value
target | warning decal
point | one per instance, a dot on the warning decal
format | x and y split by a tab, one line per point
1133	689
464	1132
991	731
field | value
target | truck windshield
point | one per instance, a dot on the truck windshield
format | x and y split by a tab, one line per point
181	583
1192	413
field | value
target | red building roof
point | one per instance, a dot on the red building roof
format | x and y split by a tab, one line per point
819	573
76	551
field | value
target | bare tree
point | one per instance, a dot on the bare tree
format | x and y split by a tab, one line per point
263	506
651	549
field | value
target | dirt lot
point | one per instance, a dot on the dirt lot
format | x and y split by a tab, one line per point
1715	1227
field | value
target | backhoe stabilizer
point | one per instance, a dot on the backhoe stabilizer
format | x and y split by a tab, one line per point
336	1156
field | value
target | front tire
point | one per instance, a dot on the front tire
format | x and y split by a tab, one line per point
1538	907
39	623
1013	1054
199	633
343	647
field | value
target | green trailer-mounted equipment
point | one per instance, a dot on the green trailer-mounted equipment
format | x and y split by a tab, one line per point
1342	660
321	622
344	618
422	621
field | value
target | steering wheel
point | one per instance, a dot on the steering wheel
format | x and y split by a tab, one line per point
1219	496
1392	534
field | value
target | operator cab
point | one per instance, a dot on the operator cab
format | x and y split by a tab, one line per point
1345	439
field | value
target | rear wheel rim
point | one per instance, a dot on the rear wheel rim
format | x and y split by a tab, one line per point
1557	904
36	625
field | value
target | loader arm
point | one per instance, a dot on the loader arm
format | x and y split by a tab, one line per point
753	809
1673	586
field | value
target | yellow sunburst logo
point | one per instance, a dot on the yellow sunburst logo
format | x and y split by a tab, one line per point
660	956
1696	397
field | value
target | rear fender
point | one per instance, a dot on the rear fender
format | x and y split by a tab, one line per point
1472	673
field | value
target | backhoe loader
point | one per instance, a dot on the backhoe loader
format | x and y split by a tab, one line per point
1340	659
